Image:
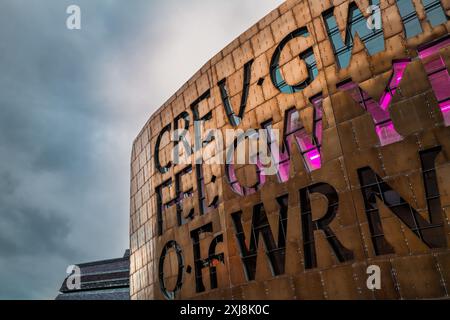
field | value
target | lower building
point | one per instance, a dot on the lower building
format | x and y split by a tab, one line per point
99	280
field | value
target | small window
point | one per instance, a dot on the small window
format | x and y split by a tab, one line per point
309	145
435	12
410	21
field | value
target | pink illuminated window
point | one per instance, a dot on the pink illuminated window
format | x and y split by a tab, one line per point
379	111
233	181
438	75
236	185
308	145
280	159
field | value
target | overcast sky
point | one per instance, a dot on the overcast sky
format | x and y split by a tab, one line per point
71	103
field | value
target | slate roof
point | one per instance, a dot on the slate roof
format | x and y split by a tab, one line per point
101	280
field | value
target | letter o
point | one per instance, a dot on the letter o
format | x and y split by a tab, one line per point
170	295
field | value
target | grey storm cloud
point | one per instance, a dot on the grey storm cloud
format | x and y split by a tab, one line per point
71	103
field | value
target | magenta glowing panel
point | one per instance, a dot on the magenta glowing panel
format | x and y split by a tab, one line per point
432	50
283	171
237	188
387	133
440	81
282	162
233	181
445	109
397	76
304	140
438	76
313	160
308	144
318	130
445	106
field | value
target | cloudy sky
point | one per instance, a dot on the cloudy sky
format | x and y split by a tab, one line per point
71	103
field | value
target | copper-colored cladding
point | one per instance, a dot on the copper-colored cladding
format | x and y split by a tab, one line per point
349	143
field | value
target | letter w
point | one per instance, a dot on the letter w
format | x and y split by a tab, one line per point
372	38
260	225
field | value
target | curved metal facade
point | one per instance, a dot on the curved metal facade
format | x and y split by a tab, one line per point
361	98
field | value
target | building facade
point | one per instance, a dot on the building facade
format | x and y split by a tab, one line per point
359	204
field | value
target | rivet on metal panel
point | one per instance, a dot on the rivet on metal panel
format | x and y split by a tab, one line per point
292	285
380	157
366	247
322	282
358	288
395	278
344	172
442	281
412	190
355	137
406	239
419	142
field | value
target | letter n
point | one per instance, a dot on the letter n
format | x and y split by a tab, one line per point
429	232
